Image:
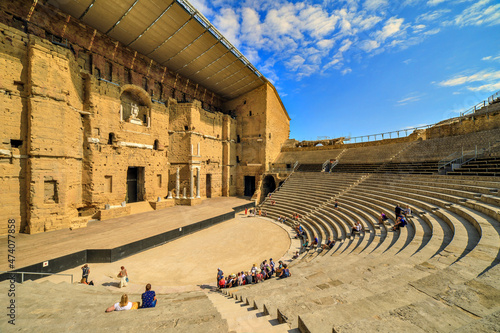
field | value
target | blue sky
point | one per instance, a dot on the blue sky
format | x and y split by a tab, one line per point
359	67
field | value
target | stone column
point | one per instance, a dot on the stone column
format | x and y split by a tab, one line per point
197	182
177	185
191	180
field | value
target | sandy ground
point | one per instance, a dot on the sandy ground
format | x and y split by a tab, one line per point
192	261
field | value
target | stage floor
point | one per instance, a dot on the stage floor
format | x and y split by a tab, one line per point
190	262
32	249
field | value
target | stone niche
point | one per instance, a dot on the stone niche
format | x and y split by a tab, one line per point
135	106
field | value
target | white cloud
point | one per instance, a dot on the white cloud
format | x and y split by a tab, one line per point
480	13
434	2
391	27
228	24
369	45
346	71
491	58
375	4
478	77
413	97
486	87
295	62
326	44
346	44
432	16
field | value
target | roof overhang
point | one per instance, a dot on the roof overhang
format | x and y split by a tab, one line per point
175	35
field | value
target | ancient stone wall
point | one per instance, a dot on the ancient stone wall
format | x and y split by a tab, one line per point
89	123
101	55
263	126
13	133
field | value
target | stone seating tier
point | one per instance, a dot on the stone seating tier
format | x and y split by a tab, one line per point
450	242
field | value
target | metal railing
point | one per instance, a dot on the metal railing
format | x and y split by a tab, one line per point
36	273
387	135
323	167
404	132
457	159
490	100
494	98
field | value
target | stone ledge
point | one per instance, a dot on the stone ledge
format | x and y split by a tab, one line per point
107	214
188	202
162	204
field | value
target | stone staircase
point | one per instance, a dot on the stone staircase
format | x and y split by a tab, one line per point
242	317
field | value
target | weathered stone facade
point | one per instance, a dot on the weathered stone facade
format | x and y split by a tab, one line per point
88	124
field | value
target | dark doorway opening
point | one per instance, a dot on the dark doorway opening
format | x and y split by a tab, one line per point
209	185
249	185
135	184
269	185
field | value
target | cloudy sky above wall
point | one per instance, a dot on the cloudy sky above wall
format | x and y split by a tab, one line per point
358	67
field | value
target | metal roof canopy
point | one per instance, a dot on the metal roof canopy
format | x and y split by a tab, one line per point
174	34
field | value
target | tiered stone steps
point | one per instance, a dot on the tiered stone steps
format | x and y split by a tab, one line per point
242	318
437	274
65	307
488	166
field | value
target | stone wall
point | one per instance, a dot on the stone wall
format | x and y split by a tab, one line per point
263	126
13	133
84	118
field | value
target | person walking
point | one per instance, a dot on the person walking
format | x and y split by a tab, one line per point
123	275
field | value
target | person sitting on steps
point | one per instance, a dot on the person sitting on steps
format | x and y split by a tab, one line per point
400	223
123	305
382	218
148	298
357	228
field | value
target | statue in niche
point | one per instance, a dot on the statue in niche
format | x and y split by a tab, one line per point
134	110
134	113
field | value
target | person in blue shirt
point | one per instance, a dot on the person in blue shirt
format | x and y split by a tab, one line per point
149	298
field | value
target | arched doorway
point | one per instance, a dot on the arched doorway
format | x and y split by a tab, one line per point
268	185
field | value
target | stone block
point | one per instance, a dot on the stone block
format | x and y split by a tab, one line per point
114	213
162	204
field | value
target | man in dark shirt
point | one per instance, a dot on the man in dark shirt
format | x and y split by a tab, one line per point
397	210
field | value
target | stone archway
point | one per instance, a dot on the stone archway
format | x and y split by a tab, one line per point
268	185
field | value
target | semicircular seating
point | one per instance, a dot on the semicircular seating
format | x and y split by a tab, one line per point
439	266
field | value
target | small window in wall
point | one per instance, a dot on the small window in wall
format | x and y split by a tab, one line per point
16	143
269	136
50	191
145	83
108	184
231	180
186	128
128	76
158	179
250	113
159	91
145	118
244	102
238	139
156	145
111	138
237	159
97	73
108	71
